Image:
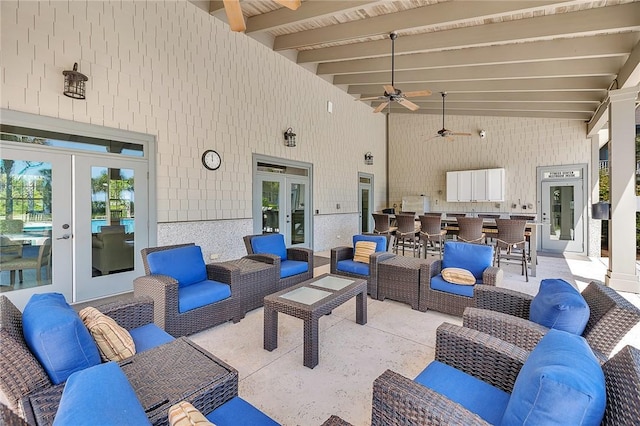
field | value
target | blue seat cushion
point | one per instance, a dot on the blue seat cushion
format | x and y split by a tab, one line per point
352	267
289	268
202	294
475	395
270	244
559	305
561	382
440	284
184	264
149	336
380	240
238	412
100	395
57	336
475	258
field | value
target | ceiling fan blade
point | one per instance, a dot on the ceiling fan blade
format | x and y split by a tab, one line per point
234	15
417	93
459	134
371	98
380	107
449	139
289	4
408	104
389	88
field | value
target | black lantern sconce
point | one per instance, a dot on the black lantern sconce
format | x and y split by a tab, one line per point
601	210
74	82
289	138
368	159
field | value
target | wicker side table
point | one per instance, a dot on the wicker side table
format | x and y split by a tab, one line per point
254	280
399	279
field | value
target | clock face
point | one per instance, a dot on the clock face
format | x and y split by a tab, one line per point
211	159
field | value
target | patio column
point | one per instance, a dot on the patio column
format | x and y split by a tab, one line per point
622	273
598	140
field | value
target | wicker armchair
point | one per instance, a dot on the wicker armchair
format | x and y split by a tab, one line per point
293	253
397	400
450	302
339	254
504	313
165	293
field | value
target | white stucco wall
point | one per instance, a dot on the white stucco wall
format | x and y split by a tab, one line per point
169	69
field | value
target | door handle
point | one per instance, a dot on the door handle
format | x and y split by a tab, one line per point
64	237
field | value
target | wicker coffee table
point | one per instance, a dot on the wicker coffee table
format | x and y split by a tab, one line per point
309	301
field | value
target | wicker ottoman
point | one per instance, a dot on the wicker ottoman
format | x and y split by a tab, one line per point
254	280
399	279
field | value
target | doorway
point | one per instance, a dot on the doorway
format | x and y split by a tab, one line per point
562	208
282	200
73	206
365	201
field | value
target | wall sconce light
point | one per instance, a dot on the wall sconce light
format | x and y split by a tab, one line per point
289	138
368	159
74	83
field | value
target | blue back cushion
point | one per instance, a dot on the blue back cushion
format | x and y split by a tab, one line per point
184	264
559	305
57	337
380	240
270	244
475	258
100	395
238	412
561	382
475	395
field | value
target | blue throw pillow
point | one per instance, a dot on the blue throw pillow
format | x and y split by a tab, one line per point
560	383
475	258
270	244
57	336
99	395
559	305
184	264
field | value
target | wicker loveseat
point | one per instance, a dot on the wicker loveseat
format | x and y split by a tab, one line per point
463	352
505	313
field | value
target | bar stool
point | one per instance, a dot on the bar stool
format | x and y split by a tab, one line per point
510	243
406	232
470	230
431	232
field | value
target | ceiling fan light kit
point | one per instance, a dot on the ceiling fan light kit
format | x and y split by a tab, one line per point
392	93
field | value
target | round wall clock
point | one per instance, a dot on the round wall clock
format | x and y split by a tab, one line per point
211	159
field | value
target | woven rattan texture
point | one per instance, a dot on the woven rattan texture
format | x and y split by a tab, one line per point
336	421
449	303
345	253
10	418
503	300
310	314
293	253
164	292
399	279
622	376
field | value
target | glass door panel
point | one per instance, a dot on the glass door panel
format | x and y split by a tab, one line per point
562	208
297	212
365	201
270	206
35	223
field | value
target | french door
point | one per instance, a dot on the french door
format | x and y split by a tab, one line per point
365	202
71	221
562	216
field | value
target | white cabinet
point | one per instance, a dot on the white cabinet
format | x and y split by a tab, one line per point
476	185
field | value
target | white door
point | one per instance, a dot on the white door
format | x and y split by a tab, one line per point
35	222
562	208
111	224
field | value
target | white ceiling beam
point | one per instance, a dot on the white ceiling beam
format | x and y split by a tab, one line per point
516	85
625	17
574	48
411	19
506	106
395	109
569	68
308	10
629	74
594	97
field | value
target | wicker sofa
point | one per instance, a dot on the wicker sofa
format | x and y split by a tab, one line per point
398	400
160	375
504	313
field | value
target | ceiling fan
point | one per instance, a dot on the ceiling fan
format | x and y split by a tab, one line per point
393	94
234	12
444	132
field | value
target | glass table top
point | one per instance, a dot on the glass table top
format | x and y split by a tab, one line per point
332	283
306	295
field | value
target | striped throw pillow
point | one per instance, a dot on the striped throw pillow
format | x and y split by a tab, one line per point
113	341
185	414
458	276
363	250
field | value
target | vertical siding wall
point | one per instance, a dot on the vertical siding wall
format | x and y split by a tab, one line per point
418	165
168	69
